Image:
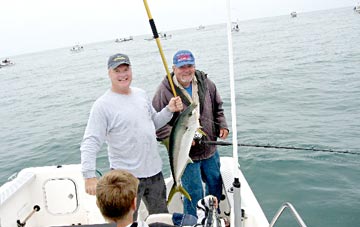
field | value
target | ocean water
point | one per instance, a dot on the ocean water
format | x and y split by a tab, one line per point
297	83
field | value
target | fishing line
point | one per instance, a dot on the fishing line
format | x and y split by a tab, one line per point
268	146
222	143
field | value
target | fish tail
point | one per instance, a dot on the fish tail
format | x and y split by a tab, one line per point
184	192
171	194
175	189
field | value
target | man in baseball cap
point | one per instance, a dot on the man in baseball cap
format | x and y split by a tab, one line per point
194	86
125	120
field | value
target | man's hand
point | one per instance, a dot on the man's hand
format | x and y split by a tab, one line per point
223	133
90	185
175	104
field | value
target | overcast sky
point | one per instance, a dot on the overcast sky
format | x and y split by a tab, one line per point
35	25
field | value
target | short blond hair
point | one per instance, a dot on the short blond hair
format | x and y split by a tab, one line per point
115	193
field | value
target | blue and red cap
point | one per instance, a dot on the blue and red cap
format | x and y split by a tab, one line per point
183	57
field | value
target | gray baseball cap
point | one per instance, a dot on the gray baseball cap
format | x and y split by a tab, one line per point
118	59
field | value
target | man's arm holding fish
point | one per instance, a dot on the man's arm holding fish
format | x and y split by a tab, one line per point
174	105
160	100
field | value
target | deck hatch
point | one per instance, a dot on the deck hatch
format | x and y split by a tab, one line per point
60	196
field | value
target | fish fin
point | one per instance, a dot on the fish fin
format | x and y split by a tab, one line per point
166	143
190	161
201	132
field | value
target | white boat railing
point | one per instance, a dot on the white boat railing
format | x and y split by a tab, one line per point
293	212
11	187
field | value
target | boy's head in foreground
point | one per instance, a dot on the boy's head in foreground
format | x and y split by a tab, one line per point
116	195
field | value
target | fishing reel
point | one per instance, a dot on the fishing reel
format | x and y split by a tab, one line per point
198	136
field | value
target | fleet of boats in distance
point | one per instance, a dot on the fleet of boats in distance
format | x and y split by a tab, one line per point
164	36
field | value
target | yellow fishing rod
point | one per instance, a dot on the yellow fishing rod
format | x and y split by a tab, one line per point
156	37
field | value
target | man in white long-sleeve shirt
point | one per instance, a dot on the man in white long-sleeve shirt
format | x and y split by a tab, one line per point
125	119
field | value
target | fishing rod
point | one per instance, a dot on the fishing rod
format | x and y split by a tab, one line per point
222	143
156	37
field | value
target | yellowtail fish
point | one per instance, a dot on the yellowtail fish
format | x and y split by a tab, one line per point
181	138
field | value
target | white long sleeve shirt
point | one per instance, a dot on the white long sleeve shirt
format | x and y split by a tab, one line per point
127	123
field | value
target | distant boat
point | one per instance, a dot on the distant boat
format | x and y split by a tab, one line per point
124	39
293	14
149	39
357	8
235	27
6	62
201	27
161	36
77	48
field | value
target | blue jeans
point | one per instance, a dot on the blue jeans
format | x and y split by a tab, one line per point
183	219
207	171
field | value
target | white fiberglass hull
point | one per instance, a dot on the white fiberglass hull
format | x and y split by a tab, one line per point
59	193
